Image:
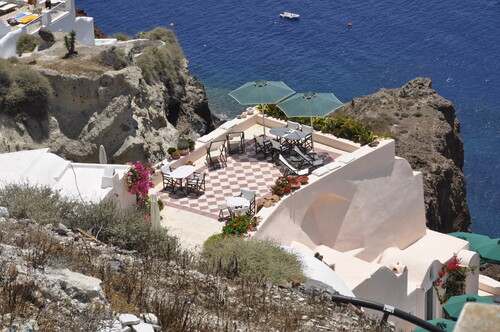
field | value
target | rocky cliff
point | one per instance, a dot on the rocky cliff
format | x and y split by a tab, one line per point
92	103
427	134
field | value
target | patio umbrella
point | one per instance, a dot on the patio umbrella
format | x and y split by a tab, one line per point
102	155
155	212
454	305
490	251
261	92
444	324
310	104
475	240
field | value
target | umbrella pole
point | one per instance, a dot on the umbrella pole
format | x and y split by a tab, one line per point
263	119
311	121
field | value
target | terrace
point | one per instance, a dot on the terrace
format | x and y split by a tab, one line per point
45	16
194	218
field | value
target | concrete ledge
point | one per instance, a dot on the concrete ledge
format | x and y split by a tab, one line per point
478	317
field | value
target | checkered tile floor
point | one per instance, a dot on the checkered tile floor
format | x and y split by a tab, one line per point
248	171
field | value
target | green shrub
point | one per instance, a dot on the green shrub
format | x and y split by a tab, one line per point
258	260
163	34
5	78
27	43
106	220
29	93
36	202
158	63
121	36
239	225
339	125
114	57
13	59
183	144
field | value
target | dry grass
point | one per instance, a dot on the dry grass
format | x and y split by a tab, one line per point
159	278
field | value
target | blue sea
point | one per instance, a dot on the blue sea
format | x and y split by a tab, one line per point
455	43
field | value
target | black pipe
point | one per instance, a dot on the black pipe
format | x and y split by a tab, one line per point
387	310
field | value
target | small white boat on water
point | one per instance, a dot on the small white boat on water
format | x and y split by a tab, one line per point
289	15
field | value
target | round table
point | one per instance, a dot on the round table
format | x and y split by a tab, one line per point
182	172
237	201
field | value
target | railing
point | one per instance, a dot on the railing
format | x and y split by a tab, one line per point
387	310
36	24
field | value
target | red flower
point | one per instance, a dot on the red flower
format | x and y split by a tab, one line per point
438	282
442	273
453	265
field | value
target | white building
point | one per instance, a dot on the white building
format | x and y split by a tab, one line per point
86	182
61	17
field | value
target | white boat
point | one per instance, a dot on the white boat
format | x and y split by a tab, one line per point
289	15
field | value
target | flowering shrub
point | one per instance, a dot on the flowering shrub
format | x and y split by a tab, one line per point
285	180
452	279
138	180
239	225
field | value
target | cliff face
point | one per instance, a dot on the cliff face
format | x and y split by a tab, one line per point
427	134
93	104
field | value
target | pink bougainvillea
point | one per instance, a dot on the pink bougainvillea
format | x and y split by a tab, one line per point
452	277
138	180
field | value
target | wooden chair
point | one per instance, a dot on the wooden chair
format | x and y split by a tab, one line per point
262	146
307	129
233	212
236	142
196	183
278	148
250	196
307	143
216	154
168	180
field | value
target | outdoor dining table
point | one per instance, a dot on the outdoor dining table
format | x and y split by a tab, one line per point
287	133
237	201
181	173
290	136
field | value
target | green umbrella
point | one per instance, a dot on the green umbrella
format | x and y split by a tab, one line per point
475	240
261	92
310	104
454	305
444	324
490	251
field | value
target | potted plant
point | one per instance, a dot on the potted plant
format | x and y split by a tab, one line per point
294	182
285	182
173	153
183	147
278	190
303	179
191	144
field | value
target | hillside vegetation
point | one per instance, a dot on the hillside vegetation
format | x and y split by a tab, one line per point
143	271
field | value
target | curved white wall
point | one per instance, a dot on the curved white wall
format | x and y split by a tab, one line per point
373	203
8	43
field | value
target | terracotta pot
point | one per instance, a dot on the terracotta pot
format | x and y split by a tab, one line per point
288	188
191	148
184	152
295	185
175	155
279	192
303	179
